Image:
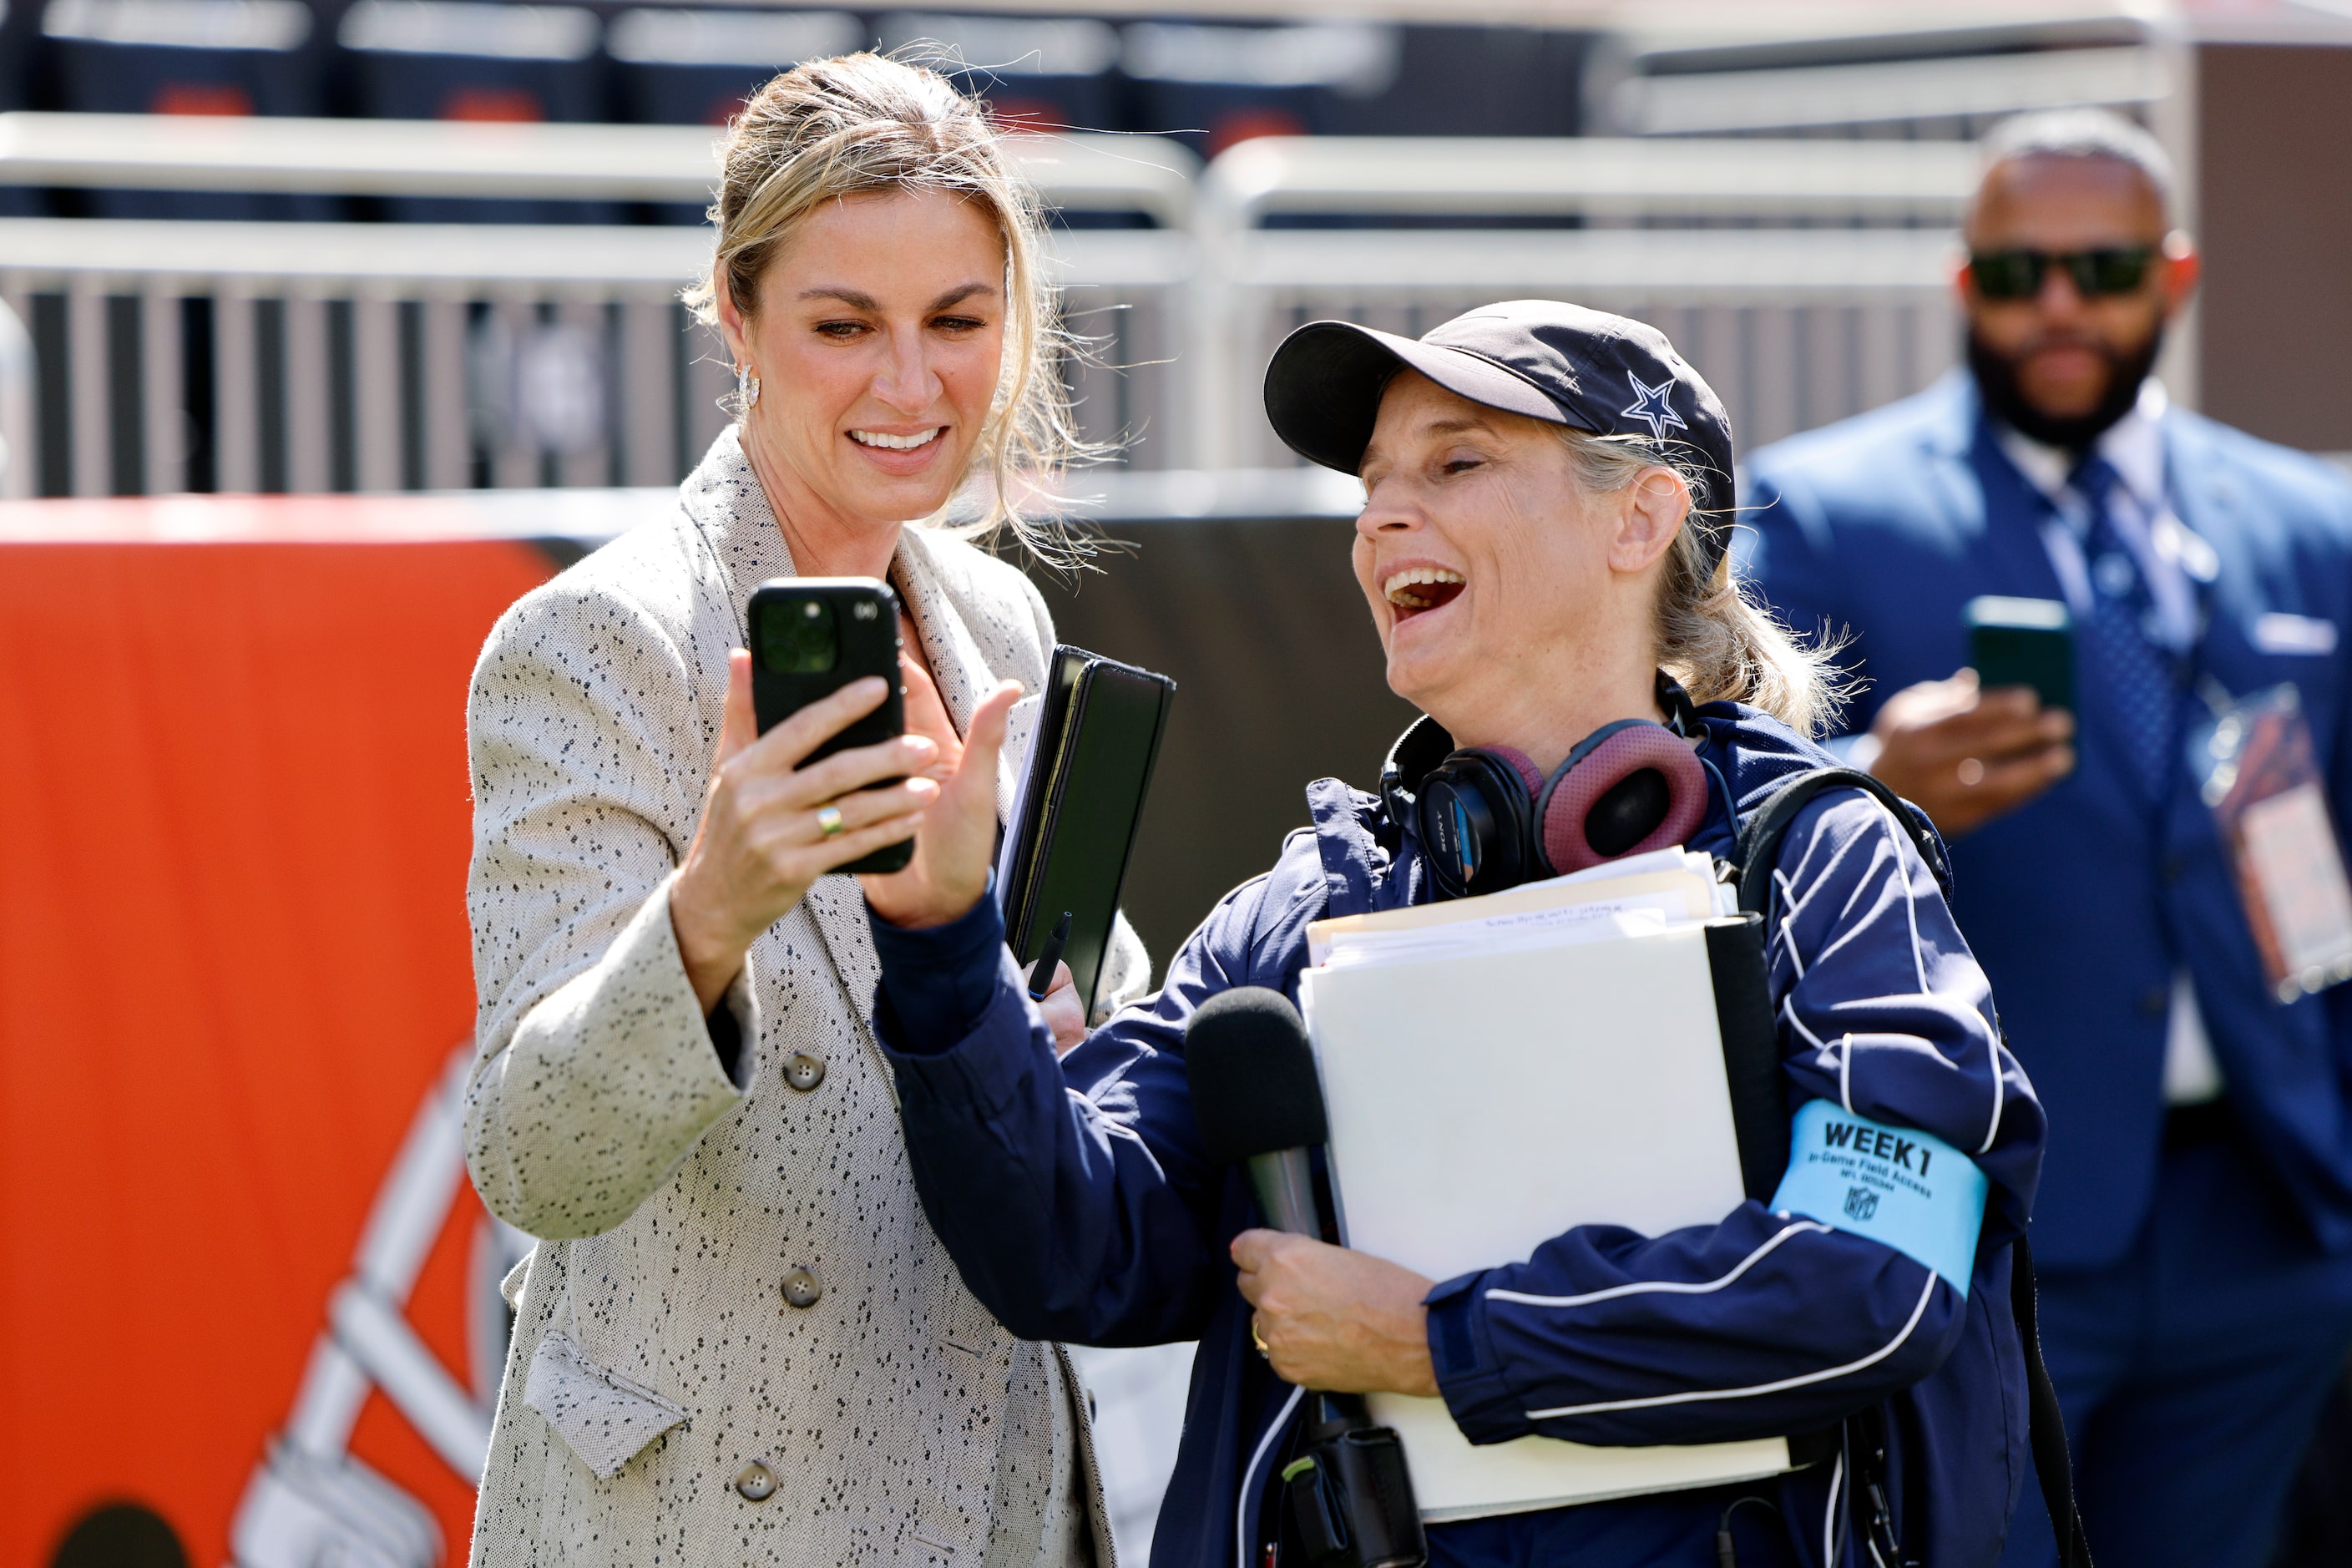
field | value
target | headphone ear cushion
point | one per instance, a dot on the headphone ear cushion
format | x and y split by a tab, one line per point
1477	821
1522	765
1632	788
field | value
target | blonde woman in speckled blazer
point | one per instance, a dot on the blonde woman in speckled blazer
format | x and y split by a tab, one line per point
738	1341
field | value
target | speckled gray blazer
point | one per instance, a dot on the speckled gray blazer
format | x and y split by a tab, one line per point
738	1341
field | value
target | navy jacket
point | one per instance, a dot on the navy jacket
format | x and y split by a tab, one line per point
2079	912
1074	1198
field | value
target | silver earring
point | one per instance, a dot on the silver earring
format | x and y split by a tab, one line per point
747	388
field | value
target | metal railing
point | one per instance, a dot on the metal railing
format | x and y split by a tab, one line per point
1806	278
1966	92
243	357
294	356
1084	173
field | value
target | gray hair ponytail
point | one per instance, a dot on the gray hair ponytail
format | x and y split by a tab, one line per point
1711	635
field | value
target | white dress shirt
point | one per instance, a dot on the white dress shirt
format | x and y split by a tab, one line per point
2172	561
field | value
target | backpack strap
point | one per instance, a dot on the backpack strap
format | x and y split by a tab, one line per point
1761	830
2045	1423
1758	849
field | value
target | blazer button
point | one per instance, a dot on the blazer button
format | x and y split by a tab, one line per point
803	1071
802	1289
757	1483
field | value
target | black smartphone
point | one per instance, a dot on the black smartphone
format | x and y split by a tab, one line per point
810	637
2022	642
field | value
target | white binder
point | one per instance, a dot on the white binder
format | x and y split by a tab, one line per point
1480	1103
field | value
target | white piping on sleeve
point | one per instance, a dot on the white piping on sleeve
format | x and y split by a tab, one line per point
1993	1049
1788	1008
1249	1472
1789	946
1845	1072
1781	1385
1910	910
1787	890
1787	929
1640	1287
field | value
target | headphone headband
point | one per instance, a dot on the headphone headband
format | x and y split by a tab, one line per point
1490	821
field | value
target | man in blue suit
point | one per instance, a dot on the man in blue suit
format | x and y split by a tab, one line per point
2194	1228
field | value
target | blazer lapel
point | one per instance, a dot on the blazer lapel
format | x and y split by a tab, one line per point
2013	514
962	670
2204	502
727	506
958	667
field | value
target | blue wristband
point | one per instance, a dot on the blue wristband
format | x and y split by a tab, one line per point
1901	1187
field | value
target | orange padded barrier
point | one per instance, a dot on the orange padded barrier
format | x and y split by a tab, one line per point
233	965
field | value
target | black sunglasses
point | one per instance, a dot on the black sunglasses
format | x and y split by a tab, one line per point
2018	274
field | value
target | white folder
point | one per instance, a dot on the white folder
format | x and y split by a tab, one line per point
1480	1104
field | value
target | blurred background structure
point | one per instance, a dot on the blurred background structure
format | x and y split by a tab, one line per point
477	213
414	266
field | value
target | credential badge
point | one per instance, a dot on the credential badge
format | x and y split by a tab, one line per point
1650	406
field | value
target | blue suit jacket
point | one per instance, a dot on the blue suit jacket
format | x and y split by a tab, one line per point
1889	524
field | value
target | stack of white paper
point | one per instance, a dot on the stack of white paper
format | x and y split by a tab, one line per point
1674	885
1499	1071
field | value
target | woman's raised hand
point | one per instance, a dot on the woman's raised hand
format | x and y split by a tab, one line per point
957	843
762	837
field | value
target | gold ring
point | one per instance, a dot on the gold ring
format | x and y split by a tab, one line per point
828	821
1258	1339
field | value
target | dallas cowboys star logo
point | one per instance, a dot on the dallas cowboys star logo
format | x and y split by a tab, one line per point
1650	407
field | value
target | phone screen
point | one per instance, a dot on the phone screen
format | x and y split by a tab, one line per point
2023	642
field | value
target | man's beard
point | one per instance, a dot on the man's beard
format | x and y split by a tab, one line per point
1997	379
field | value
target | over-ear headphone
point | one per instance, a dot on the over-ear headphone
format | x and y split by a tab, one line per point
1491	820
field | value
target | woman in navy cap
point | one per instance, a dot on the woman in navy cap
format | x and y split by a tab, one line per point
1547	502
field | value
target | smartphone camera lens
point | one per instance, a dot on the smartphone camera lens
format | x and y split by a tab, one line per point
800	638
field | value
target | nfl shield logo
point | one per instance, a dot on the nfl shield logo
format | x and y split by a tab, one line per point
1861	1203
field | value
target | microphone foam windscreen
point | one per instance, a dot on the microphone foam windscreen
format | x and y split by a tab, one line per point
1252	1074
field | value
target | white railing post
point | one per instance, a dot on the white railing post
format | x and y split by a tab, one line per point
514	464
162	394
377	434
1211	318
591	464
448	421
90	385
237	389
309	456
647	345
20	458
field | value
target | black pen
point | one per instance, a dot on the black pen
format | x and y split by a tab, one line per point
1041	974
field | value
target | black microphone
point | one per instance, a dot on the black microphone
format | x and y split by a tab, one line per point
1257	1100
1259	1104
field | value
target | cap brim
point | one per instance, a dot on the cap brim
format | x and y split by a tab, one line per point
1323	384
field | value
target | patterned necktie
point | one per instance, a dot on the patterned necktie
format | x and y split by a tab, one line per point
2136	681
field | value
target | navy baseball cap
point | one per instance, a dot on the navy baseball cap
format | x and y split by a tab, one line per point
1608	376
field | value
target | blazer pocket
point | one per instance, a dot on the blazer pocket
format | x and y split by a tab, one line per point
601	1415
